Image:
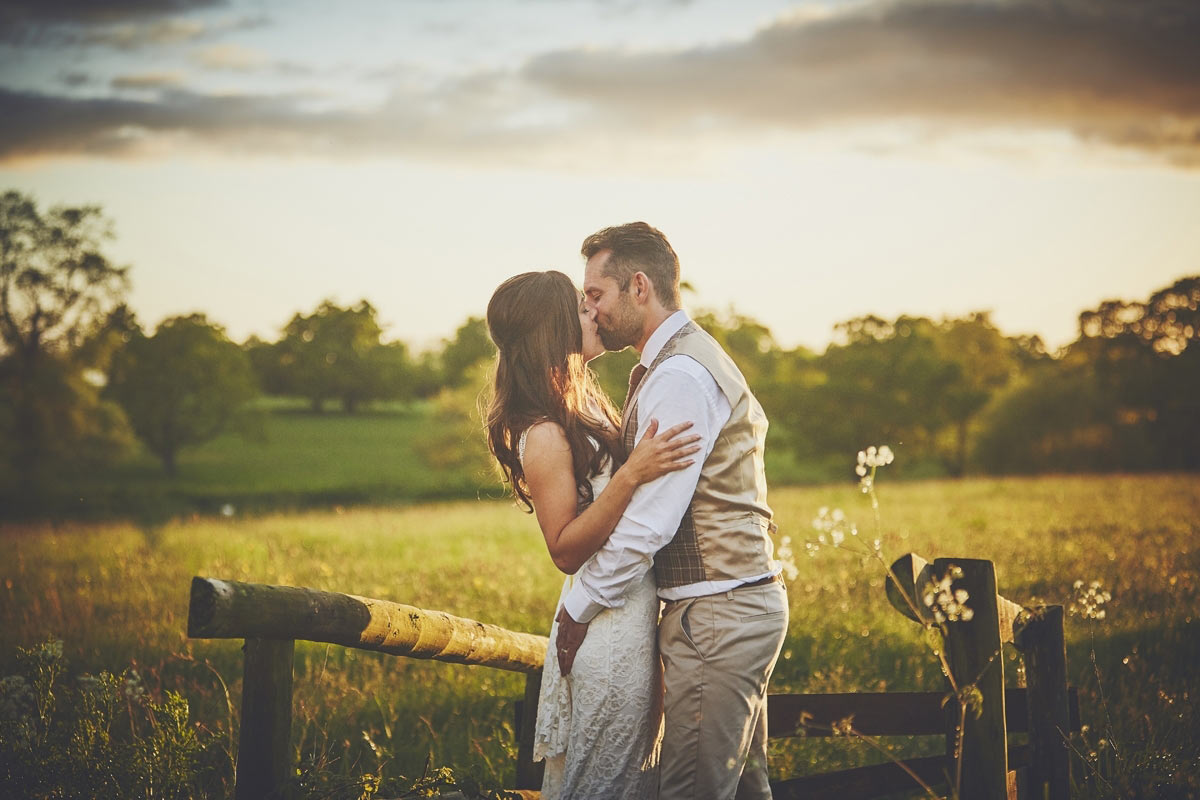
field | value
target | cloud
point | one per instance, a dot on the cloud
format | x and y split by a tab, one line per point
74	78
1125	74
233	57
124	25
136	35
149	80
93	12
1104	71
409	123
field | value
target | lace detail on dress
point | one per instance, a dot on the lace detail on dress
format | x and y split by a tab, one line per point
599	728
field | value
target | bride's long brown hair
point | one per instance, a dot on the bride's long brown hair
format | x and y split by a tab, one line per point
540	375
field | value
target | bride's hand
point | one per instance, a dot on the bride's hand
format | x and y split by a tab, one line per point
655	456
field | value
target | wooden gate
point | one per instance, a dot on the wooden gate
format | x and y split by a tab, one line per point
271	618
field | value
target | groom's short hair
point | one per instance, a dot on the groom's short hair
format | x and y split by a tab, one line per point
638	247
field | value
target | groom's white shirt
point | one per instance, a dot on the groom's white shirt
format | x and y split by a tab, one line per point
679	390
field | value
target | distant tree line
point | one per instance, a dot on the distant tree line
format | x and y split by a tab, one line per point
338	354
956	395
81	379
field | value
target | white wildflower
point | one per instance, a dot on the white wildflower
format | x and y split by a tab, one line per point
947	603
787	559
1088	602
832	527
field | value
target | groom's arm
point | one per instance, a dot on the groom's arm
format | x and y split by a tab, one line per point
680	391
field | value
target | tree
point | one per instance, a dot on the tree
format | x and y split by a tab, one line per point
265	359
1147	364
988	361
885	383
1168	322
182	386
747	341
1125	395
57	289
331	353
470	345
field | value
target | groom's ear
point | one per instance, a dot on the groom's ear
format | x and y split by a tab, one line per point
641	287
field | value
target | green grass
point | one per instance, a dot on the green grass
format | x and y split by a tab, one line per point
385	454
117	595
301	460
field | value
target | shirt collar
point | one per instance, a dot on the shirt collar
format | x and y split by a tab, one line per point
666	329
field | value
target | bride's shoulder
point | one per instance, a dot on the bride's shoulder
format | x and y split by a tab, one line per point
543	436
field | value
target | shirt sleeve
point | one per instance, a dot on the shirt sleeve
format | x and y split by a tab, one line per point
671	396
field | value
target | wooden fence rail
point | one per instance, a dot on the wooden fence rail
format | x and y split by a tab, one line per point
271	618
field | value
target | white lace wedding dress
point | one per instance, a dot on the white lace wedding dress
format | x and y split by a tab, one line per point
599	728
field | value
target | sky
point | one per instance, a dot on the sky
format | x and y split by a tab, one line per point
809	161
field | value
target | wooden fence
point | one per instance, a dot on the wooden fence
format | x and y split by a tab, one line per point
271	618
993	765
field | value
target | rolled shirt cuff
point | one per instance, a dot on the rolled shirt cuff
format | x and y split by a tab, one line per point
581	607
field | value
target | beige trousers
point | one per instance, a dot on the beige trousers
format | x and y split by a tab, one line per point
718	653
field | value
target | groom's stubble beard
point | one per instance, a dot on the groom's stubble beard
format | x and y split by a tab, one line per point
623	328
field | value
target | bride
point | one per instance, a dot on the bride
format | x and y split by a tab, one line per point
554	434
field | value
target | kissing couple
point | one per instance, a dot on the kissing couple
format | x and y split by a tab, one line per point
673	612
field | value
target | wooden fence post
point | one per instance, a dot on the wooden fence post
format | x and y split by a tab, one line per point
529	772
263	765
1044	649
973	651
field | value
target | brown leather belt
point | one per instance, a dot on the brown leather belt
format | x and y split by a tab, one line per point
762	581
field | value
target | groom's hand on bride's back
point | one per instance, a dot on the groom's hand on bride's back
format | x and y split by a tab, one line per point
570	636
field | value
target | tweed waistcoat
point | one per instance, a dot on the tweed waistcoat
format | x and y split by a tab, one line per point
725	532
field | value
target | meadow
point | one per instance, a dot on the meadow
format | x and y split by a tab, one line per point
116	594
294	459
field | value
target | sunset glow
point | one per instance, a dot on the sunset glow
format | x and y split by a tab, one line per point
809	161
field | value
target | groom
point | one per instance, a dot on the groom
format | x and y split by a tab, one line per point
705	529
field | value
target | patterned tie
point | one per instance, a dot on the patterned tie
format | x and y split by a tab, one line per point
635	377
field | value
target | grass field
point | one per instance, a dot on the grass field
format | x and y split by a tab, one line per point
388	453
117	594
298	460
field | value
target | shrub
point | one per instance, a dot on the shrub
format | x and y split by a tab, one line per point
100	736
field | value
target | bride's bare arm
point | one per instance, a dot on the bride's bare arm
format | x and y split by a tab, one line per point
571	537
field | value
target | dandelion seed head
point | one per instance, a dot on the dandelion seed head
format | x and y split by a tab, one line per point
832	527
1089	602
